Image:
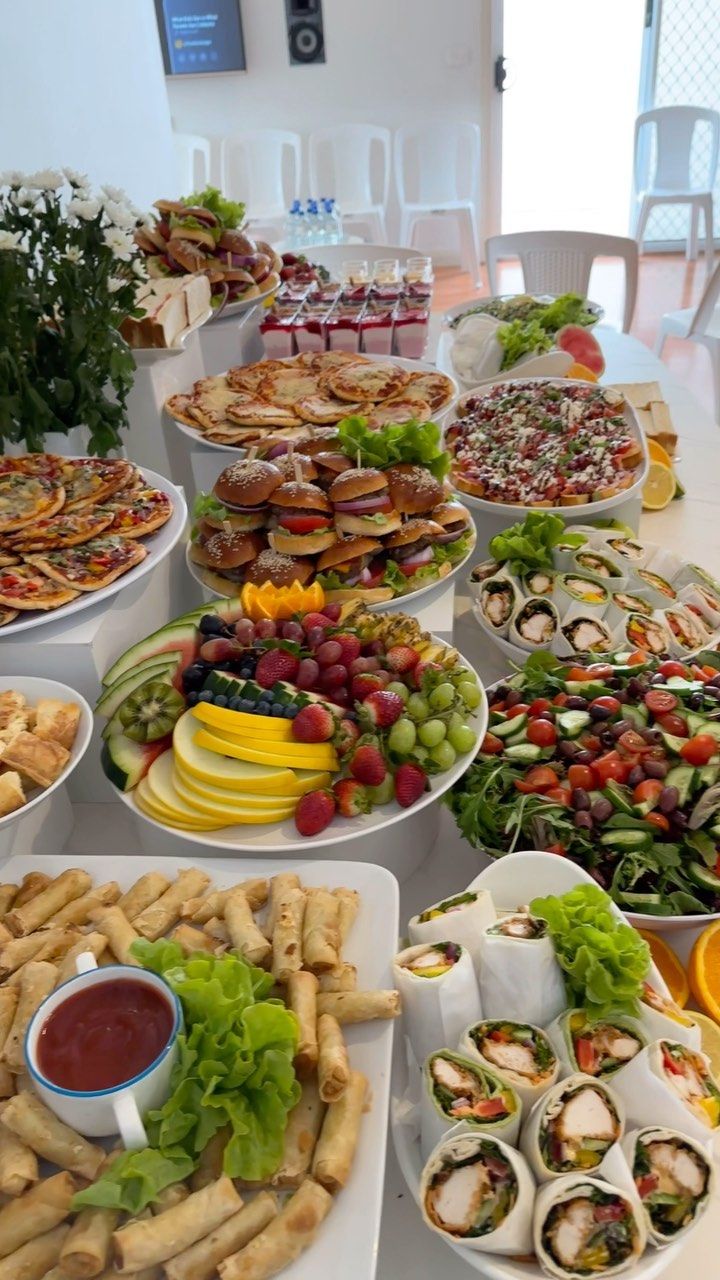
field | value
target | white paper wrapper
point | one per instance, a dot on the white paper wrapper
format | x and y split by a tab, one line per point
435	1125
654	591
695	573
463	925
514	1235
564	647
527	1092
520	978
697	634
435	1010
630	552
543	605
697	594
618	570
658	1026
658	1134
633	602
496	571
656	636
558	1033
535	1123
563	556
667	563
568	1188
647	1094
487	589
570	602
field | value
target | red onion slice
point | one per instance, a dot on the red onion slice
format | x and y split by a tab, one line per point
360	505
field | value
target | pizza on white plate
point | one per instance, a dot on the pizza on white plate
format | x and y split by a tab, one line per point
91	566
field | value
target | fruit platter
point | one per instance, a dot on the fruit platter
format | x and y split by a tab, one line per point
368	516
555	1117
614	765
266	732
591	588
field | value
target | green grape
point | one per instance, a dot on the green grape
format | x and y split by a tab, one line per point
470	694
443	755
386	791
464	673
402	736
455	721
431	733
462	738
420	755
442	697
402	691
418	707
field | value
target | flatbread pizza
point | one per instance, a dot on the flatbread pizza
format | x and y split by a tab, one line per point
402	409
325	409
366	381
7	615
325	361
136	514
26	498
66	529
91	566
178	406
286	386
259	413
25	588
87	481
436	389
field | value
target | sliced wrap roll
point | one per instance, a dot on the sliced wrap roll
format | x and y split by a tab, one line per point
675	1179
572	1128
478	1192
518	1051
459	918
660	1018
669	1080
519	974
435	1003
584	1227
497	602
458	1093
595	1048
535	624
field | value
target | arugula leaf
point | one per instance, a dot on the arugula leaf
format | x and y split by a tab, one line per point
230	212
419	442
529	544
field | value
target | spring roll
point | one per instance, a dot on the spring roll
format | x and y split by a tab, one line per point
217	929
201	1260
517	1051
78	911
287	934
169	1197
8	1005
39	1127
119	932
32	1261
210	1164
333	1065
18	1164
301	1134
145	1243
302	990
675	1179
586	1227
359	1006
191	939
280	886
460	1093
37	983
94	942
478	1192
86	1248
348	907
343	978
338	1139
284	1239
201	909
321	936
32	884
439	993
8	894
17	953
68	886
161	915
244	933
572	1128
43	1207
143	893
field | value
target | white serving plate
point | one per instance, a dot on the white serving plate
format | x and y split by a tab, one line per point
462	308
242	305
352	1228
412	366
533	874
550	364
159	545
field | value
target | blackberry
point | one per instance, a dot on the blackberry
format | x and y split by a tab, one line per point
211	625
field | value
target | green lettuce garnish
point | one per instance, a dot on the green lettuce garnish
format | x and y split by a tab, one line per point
522	338
419	442
529	544
453	551
206	504
235	1068
231	213
604	961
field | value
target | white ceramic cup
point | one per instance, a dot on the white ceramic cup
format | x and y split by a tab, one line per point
102	1112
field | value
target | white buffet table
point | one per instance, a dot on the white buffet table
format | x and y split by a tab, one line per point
692	526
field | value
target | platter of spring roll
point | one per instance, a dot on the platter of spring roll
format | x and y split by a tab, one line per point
591	588
553	1111
264	1151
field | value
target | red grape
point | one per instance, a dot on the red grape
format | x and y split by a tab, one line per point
293	631
245	631
359	666
315	636
265	629
341	696
332	611
219	650
308	673
329	653
332	677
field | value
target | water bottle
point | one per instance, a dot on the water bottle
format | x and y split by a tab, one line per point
290	225
328	222
313	221
301	231
338	234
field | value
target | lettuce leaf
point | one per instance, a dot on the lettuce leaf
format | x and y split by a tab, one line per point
230	212
394	579
419	442
206	504
522	338
235	1068
529	543
452	552
331	581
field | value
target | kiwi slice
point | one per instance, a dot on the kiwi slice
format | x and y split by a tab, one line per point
151	712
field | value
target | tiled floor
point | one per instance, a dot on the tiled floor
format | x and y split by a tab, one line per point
667	283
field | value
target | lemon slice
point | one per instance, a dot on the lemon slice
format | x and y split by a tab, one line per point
659	489
710	1039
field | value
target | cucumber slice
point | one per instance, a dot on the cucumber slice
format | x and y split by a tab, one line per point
703	877
626	840
620	797
524	753
571	723
673	744
587	688
637	715
111	698
509	727
650	904
681	776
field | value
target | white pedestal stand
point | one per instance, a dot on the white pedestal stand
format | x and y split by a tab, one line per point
231	340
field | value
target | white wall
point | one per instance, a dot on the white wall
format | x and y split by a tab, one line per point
82	84
389	62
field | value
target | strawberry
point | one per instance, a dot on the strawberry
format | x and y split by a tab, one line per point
368	766
402	658
346	737
420	669
410	782
315	811
276	664
350	647
367	682
381	709
352	797
315	620
314	723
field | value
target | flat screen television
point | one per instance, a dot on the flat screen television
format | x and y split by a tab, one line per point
200	37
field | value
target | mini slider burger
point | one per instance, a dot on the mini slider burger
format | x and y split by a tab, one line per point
362	502
414	490
455	521
352	570
224	557
281	570
411	549
244	490
304	519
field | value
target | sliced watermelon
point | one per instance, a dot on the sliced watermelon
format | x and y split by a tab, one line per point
582	345
179	637
125	762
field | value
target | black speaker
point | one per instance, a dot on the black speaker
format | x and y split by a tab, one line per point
306	39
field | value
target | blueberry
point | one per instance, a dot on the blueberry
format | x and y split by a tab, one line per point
207	695
246	671
246	704
192	699
220	700
277	711
290	712
211	625
234	704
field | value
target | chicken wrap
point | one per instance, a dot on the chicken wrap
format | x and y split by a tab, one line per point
601	564
670	1080
535	624
595	1048
660	1017
583	633
478	1192
460	919
584	1227
688	631
458	1091
437	985
675	1181
540	582
519	975
701	598
519	1052
497	602
578	593
572	1128
640	632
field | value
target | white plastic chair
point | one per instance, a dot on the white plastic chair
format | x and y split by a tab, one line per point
345	154
561	261
671	182
699	324
442	151
262	168
192	161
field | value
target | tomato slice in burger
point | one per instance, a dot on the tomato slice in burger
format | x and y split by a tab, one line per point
305	524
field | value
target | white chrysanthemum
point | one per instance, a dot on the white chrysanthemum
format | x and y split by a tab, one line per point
45	179
114	193
119	214
76	179
11	240
115	283
12	178
73	253
87	209
21	199
139	269
119	242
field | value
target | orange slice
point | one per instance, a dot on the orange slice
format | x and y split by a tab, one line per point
670	966
704	970
710	1040
657	453
582	372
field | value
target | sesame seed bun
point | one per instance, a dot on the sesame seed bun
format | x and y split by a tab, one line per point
227	550
413	488
413	531
449	514
301	495
281	570
302	544
292	463
358	482
347	549
247	484
330	463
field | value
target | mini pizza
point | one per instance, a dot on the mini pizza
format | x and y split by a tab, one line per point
139	513
258	413
26	498
178	407
66	529
398	410
25	587
7	615
33	464
247	377
234	435
210	404
7	558
286	386
89	567
87	481
366	381
434	388
326	361
325	409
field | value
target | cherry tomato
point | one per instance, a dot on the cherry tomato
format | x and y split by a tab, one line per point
591	743
560	699
578	674
611	768
560	850
491	745
709	673
498	706
668	669
520	709
658	820
636	658
700	749
632	743
601	670
540	778
559	795
542	733
660	701
608	703
648	792
583	776
674	724
539	705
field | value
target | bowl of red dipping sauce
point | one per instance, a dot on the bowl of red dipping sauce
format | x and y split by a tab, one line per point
102	1047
